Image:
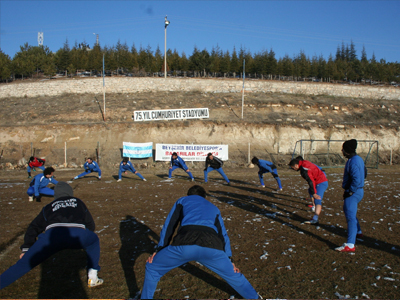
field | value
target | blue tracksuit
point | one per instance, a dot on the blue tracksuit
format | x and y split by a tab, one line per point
127	167
89	168
268	167
39	184
353	183
201	237
178	163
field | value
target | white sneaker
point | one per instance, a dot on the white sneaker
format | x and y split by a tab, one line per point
93	279
263	186
119	180
144	179
313	209
30	198
192	179
95	282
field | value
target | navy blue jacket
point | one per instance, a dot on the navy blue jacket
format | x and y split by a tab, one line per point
354	174
62	212
200	224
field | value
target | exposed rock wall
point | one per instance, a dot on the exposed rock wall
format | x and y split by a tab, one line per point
129	85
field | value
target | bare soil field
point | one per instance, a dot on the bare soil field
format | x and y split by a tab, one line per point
279	255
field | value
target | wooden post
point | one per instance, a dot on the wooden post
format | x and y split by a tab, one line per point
65	154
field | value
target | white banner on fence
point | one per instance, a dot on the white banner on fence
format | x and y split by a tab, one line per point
170	114
137	150
190	152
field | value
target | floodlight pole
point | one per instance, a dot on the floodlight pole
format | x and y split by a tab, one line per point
166	23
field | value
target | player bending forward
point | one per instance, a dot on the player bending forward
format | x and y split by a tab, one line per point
65	223
201	237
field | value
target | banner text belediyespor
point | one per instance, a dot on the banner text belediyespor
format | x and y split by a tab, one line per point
170	114
190	152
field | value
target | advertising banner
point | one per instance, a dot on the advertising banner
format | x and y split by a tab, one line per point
170	114
137	150
190	152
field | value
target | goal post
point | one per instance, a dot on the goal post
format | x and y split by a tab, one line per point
328	153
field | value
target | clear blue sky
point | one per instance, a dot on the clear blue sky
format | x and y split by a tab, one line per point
288	27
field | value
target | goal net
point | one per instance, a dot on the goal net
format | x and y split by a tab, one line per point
328	153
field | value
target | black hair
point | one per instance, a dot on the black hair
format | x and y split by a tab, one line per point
125	159
174	154
197	190
294	162
209	154
299	158
48	171
254	160
89	158
31	158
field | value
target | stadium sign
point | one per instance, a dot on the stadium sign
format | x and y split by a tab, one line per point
170	114
190	152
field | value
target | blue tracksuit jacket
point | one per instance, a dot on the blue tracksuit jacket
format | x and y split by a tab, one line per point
200	224
93	167
266	166
354	174
40	181
127	167
179	162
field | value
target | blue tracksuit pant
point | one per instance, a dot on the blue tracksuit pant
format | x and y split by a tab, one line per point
220	171
176	167
350	211
215	260
88	172
138	174
43	191
274	173
28	169
321	188
51	242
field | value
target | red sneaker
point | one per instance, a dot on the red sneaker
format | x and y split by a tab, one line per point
345	248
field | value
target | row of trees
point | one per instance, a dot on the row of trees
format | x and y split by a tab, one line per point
345	65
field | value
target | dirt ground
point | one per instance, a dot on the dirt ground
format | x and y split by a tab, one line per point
280	256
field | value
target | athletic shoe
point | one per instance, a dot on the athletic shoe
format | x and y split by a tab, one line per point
30	198
263	186
345	248
119	180
192	179
73	179
95	282
313	209
99	178
279	190
229	184
144	179
359	236
312	222
29	176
